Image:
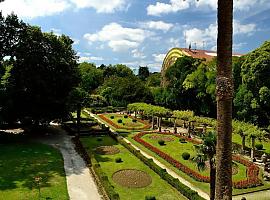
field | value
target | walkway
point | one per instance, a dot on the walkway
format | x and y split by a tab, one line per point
80	183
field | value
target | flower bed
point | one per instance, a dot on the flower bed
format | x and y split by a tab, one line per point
117	126
252	179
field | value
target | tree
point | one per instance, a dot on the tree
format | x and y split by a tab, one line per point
206	152
154	80
224	92
43	74
120	91
143	73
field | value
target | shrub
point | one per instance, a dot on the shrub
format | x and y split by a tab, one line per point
182	140
150	198
185	155
259	146
134	120
125	116
161	142
99	139
118	160
119	121
112	117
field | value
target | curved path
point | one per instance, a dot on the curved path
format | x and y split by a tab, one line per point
80	183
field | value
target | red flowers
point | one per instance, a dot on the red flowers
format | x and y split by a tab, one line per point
252	179
106	119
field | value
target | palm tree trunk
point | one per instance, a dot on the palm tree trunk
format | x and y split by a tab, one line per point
243	143
159	124
212	179
174	126
224	93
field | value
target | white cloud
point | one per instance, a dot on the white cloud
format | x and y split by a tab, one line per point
208	36
173	42
101	6
159	57
177	5
138	54
89	59
157	25
119	38
163	8
33	8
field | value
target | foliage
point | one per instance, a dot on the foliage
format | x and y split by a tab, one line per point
161	142
259	146
185	155
118	160
119	121
154	79
143	73
150	198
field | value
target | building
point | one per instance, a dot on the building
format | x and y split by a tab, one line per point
175	53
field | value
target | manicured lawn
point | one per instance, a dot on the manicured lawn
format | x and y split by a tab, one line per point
126	124
175	149
21	162
159	188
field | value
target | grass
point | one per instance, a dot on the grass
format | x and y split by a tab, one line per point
21	162
127	123
159	188
175	151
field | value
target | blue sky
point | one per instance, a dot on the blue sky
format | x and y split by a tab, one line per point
140	32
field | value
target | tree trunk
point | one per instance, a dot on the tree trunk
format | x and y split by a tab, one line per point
174	126
159	124
78	120
212	179
243	143
153	122
252	147
224	94
135	114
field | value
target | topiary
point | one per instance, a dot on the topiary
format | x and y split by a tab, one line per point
185	155
118	160
150	198
259	146
119	121
112	117
161	142
125	116
134	120
182	140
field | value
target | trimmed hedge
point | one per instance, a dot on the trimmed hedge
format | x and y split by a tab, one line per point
183	189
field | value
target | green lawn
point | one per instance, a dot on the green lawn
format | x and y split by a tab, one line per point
20	163
159	188
127	123
175	148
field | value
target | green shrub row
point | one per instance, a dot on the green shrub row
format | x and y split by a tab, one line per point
183	189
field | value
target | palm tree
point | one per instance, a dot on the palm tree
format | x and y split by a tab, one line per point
206	152
224	95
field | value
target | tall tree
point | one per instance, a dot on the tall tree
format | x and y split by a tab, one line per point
143	73
224	93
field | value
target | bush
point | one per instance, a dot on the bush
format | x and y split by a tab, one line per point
185	155
112	117
99	139
118	160
150	198
134	120
161	142
182	140
125	116
119	121
259	146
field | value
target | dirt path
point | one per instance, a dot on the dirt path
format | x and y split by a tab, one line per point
80	183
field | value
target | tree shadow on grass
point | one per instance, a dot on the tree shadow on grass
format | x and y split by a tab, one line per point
22	161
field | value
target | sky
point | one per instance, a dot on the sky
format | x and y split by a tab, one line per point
141	32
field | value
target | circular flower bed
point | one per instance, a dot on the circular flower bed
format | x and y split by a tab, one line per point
107	150
132	178
161	137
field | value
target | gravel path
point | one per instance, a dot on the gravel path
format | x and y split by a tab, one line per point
80	183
